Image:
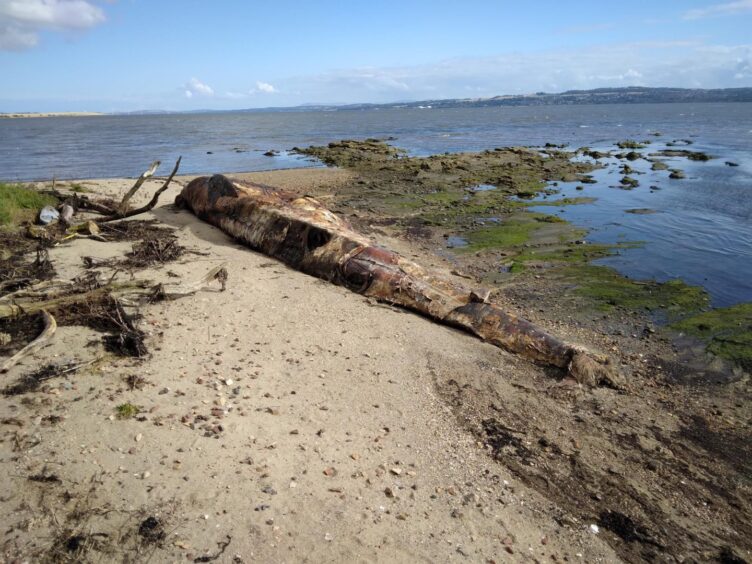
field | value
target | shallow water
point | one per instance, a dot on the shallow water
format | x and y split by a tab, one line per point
702	231
697	229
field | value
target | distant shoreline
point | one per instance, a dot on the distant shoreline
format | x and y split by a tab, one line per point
20	115
597	96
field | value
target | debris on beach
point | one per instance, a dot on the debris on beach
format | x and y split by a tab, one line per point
29	293
301	232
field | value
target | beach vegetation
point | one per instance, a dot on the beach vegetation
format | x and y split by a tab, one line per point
19	203
127	410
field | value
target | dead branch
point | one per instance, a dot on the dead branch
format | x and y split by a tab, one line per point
153	202
46	296
50	325
122	211
123	206
218	273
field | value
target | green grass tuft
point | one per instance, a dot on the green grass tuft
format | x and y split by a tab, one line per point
127	410
20	203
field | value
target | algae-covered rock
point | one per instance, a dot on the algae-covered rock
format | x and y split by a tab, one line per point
629	182
631	144
727	332
691	155
659	165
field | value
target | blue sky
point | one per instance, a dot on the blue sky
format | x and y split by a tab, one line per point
122	55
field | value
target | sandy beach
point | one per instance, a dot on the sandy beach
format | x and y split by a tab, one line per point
290	420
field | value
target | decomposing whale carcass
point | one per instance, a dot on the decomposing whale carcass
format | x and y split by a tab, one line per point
301	232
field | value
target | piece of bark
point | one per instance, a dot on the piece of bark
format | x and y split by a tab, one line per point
301	232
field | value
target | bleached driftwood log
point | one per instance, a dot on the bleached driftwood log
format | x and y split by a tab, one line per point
301	232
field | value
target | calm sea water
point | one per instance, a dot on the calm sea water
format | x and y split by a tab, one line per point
701	231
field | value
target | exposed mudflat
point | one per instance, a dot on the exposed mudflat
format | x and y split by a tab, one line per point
286	419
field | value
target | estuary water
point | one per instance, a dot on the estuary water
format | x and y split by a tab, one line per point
698	228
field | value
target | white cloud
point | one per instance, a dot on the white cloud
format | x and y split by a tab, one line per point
21	21
264	87
194	87
686	64
730	8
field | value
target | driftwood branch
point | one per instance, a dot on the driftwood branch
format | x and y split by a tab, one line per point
48	297
153	202
122	211
123	206
218	273
50	325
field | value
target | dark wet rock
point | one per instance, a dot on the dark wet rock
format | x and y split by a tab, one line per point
691	155
641	211
596	154
730	163
629	182
632	156
271	153
676	174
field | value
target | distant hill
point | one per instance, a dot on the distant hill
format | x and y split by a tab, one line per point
630	95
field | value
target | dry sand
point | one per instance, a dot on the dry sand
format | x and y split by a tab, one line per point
288	417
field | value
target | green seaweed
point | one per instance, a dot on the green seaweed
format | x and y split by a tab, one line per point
727	332
508	234
610	289
563	202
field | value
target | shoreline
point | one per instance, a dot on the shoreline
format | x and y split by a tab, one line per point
22	115
377	425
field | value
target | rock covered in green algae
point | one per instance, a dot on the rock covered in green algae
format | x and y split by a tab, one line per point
659	165
727	332
691	155
631	144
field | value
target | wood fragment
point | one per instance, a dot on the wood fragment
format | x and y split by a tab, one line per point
44	337
54	295
122	214
301	232
123	206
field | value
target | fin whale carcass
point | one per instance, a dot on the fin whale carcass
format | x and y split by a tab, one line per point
301	232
